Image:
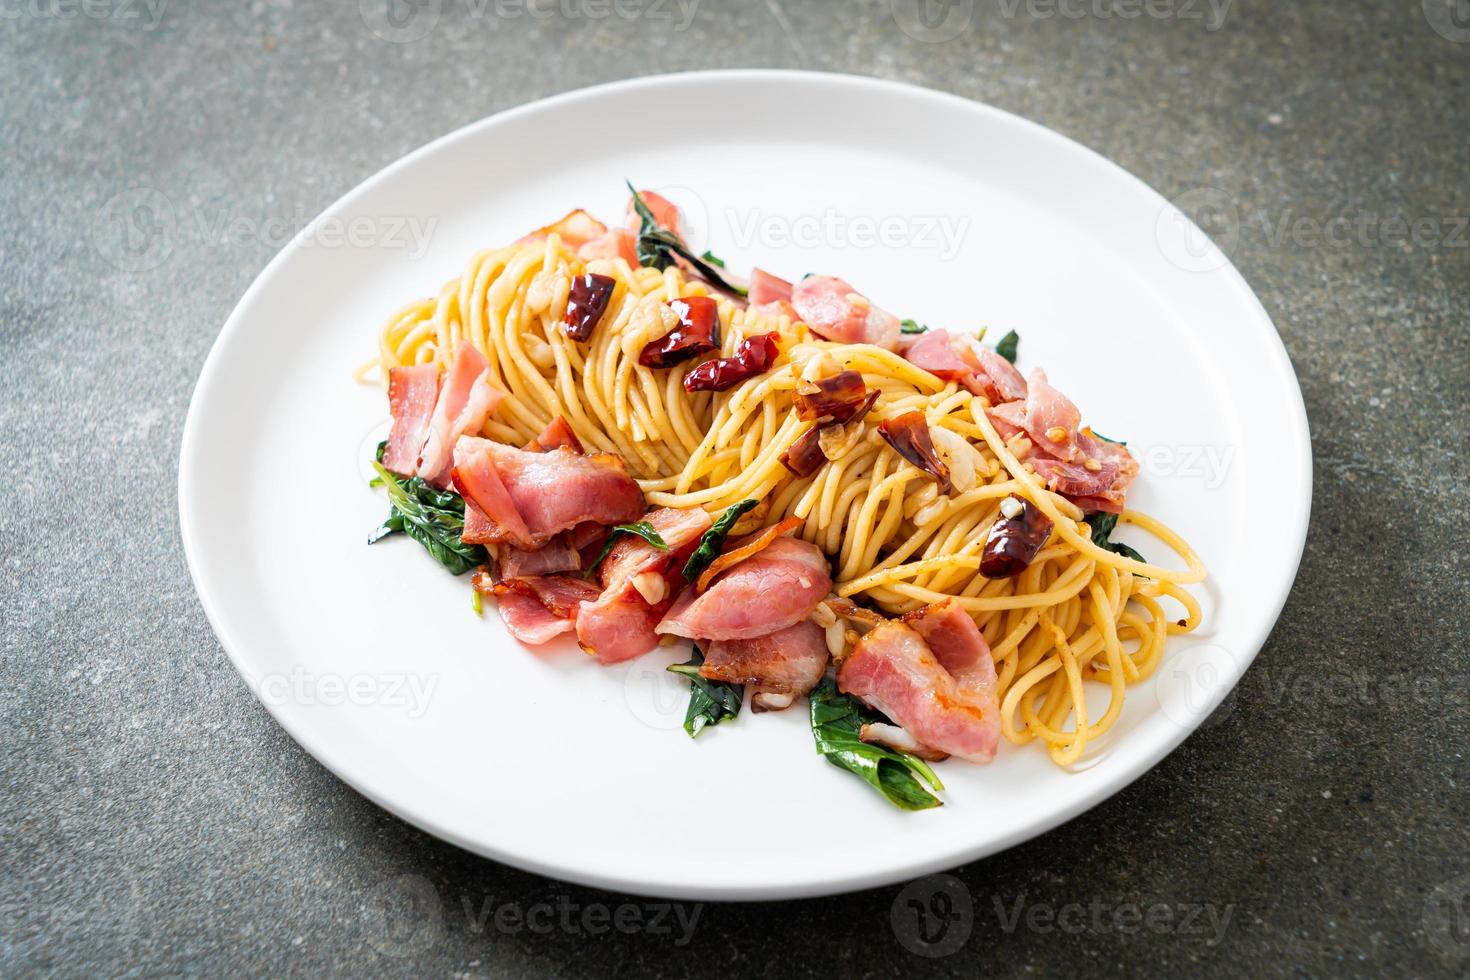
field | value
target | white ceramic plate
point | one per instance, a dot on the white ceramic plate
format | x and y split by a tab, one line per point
941	209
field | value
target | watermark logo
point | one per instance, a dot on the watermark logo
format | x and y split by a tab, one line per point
1192	680
135	229
1449	18
400	21
933	917
932	21
1447	918
403	917
655	696
1199	229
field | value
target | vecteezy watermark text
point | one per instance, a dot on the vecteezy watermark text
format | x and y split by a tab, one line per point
833	229
145	15
402	21
410	693
139	228
405	916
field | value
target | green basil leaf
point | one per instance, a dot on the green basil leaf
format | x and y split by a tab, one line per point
710	702
712	258
1102	524
836	721
432	517
1120	442
713	540
643	529
912	326
657	247
1006	346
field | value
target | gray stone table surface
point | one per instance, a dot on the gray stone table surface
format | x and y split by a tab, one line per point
154	819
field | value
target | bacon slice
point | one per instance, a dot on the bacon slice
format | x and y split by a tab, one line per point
832	308
765	288
576	229
773	590
747	547
557	433
619	624
894	670
465	400
957	643
556	556
544	493
537	608
1073	461
665	213
789	661
957	357
618	243
412	394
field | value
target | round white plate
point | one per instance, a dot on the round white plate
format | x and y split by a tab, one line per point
943	210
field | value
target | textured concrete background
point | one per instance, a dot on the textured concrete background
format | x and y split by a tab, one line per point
156	820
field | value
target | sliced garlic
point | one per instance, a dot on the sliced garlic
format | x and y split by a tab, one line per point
957	454
837	440
651	587
539	351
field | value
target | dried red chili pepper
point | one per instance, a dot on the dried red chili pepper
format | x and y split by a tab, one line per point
835	398
753	356
908	434
586	302
1014	539
805	456
698	332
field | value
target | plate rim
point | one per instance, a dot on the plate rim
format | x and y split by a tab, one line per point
839	882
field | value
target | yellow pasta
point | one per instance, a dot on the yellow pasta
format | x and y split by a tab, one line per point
1079	615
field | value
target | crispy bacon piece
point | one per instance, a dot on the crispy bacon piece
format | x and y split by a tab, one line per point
805	457
833	309
619	624
773	590
788	662
555	557
536	608
466	398
576	229
752	356
747	547
959	357
586	303
697	333
543	493
1013	542
908	434
765	288
412	395
894	670
478	482
833	399
616	243
665	213
556	434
